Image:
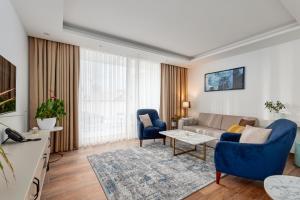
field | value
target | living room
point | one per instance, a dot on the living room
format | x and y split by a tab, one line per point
149	99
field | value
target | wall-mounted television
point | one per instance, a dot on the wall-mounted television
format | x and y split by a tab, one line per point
230	79
7	86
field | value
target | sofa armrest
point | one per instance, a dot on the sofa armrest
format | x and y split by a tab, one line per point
231	137
190	121
161	124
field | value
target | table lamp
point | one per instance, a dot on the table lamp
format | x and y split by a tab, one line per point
186	105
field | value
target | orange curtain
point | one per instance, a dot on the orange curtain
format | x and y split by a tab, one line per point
173	92
54	71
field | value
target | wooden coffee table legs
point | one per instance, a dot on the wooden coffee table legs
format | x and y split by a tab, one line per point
178	151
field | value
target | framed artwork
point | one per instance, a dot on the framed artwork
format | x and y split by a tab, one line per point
230	79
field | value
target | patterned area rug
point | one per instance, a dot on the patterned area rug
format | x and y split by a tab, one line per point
151	172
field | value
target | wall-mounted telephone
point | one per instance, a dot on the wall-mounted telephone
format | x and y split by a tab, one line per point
17	137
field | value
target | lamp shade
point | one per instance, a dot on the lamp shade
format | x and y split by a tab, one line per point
186	104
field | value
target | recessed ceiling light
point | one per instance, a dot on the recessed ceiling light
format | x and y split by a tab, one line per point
45	33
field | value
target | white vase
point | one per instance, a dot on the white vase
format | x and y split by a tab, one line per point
47	123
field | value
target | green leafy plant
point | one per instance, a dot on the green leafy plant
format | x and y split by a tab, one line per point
274	106
7	105
53	107
3	155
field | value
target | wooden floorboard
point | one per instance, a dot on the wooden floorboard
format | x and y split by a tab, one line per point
72	178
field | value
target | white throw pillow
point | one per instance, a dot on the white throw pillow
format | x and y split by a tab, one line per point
145	119
255	135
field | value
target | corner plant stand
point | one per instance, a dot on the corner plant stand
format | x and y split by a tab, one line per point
56	130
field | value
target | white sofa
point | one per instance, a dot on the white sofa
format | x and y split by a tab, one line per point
211	124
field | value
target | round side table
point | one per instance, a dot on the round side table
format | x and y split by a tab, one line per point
283	187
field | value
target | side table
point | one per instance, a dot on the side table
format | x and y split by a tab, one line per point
56	130
283	187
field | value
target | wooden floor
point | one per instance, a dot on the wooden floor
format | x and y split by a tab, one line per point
72	178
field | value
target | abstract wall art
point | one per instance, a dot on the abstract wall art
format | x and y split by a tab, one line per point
231	79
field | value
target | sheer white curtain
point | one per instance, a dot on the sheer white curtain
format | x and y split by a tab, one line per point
111	89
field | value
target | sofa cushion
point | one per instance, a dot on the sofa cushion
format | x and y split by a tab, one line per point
210	120
229	120
204	119
204	130
245	122
211	132
235	128
191	128
215	121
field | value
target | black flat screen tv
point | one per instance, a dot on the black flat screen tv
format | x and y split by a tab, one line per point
7	86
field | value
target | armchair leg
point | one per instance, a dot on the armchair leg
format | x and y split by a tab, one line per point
141	143
218	177
164	141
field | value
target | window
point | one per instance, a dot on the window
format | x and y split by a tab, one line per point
111	89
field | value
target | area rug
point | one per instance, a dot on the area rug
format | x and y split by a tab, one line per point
151	172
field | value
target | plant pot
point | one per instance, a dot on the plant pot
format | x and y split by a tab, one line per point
47	123
278	115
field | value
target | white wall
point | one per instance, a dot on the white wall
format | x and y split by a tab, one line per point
271	74
14	47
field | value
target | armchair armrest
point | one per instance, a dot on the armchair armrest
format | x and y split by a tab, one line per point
161	124
190	121
140	127
232	137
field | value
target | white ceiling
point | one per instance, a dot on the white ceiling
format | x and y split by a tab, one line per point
174	31
187	27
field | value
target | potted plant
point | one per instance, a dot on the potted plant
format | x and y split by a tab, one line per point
275	107
48	112
4	159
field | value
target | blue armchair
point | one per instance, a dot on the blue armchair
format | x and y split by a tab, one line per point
255	161
150	132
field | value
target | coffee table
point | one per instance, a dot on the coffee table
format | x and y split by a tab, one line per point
189	138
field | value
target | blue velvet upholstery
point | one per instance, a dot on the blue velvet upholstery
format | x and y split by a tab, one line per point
150	132
256	161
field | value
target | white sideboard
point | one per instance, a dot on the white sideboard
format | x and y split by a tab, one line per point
29	160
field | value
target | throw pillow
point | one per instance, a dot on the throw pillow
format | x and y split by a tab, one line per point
235	128
245	122
255	135
145	119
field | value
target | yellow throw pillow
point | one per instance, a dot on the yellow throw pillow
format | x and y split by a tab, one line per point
235	128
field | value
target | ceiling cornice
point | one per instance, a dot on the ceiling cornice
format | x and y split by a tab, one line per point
251	40
105	37
101	36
